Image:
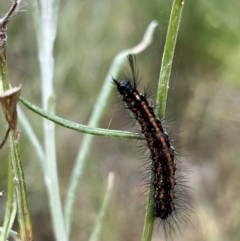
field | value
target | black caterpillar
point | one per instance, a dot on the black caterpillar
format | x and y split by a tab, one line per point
170	200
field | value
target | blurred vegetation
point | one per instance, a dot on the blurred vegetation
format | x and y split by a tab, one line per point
203	102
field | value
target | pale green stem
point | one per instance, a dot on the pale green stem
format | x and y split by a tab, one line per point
98	226
13	234
53	187
32	136
46	33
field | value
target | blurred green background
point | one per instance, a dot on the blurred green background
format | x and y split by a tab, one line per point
203	102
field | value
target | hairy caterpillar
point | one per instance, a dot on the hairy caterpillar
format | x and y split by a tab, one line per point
170	198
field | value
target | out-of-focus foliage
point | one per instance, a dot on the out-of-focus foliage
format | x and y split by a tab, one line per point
203	100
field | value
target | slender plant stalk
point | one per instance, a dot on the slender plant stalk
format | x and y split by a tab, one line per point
24	218
9	101
162	92
45	15
168	54
97	113
11	205
79	127
32	136
101	215
13	234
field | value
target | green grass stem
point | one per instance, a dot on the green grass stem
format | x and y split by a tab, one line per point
32	136
79	127
24	218
102	212
162	92
17	178
11	208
